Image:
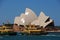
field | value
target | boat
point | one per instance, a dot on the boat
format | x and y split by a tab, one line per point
31	30
36	30
7	29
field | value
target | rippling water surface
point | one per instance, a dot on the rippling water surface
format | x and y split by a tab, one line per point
30	37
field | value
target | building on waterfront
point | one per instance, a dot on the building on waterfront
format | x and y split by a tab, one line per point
30	18
43	21
25	18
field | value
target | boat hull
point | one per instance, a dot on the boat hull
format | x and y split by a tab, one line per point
8	33
34	33
53	33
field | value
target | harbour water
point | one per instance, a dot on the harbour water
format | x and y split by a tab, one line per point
30	37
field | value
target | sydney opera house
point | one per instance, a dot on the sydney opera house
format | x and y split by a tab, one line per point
30	23
30	18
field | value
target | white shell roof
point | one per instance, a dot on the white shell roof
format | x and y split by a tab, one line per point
41	20
26	18
43	17
16	21
29	17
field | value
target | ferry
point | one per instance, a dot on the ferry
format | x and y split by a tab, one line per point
7	29
36	30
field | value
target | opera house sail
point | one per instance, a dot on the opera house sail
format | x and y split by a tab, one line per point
43	20
26	18
30	18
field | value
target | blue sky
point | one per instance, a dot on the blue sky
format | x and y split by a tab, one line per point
11	8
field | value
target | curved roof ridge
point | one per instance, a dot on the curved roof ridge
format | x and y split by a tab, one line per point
30	12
